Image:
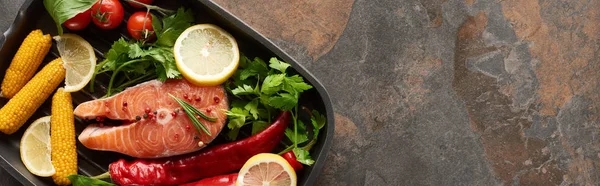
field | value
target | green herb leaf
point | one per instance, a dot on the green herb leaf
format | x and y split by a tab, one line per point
166	59
244	61
295	85
172	26
135	51
272	84
278	65
116	55
258	126
318	121
252	108
79	180
156	24
63	10
302	134
243	90
256	68
283	101
233	134
303	156
237	117
238	103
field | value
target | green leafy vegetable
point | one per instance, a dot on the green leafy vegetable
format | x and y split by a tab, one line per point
172	26
264	90
244	90
283	101
135	62
258	126
318	122
272	84
303	156
63	10
278	65
252	108
79	180
237	119
295	84
301	134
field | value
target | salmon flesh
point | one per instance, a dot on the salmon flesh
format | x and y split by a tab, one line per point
154	124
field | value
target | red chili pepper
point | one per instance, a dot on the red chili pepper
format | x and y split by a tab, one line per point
221	180
291	158
212	161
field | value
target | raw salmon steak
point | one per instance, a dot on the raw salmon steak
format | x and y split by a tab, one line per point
163	128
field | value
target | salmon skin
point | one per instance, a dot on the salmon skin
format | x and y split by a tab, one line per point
166	131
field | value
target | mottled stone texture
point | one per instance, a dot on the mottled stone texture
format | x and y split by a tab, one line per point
450	92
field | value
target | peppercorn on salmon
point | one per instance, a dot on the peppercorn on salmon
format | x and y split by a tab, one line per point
25	63
19	108
62	137
154	124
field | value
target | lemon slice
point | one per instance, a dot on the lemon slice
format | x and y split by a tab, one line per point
266	169
206	55
35	148
79	60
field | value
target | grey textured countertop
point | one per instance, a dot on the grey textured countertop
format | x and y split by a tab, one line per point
444	92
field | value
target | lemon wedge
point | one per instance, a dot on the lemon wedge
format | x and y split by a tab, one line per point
35	148
266	169
206	55
79	60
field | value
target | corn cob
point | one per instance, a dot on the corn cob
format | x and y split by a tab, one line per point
28	58
18	109
62	137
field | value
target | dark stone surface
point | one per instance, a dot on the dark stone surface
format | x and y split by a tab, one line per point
446	92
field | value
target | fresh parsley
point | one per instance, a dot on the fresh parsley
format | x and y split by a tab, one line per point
263	90
133	62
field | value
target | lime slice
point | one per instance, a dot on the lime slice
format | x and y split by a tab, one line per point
206	54
79	60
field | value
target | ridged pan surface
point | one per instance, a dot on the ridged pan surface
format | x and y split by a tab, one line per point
32	15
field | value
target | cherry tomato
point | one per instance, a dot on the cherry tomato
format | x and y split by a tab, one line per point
141	1
291	158
107	14
139	26
79	22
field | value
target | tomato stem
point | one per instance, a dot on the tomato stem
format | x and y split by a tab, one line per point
101	16
152	7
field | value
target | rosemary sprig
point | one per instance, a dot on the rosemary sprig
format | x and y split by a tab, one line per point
191	112
195	111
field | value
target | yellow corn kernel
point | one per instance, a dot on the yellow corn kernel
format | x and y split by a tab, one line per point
18	109
62	137
25	63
